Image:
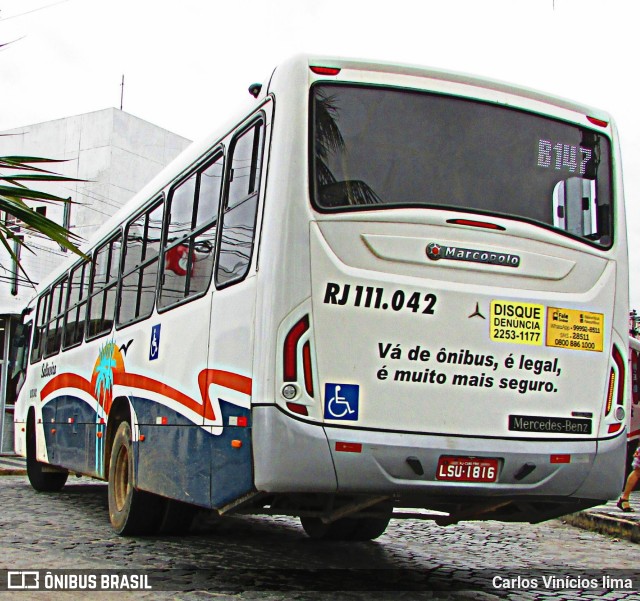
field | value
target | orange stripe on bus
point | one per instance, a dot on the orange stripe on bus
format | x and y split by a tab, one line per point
67	381
206	377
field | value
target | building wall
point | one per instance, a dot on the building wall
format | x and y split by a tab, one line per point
115	154
113	151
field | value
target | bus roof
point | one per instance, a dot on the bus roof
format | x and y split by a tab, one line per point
301	63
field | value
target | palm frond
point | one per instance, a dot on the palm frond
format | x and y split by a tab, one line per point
13	197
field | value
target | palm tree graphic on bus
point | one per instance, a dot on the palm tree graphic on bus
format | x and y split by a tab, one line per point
104	371
109	361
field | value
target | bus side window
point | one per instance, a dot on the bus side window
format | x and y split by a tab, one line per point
140	265
239	217
18	358
191	235
56	315
39	338
77	305
104	277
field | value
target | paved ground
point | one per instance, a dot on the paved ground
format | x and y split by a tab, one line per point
11	465
605	519
608	519
271	558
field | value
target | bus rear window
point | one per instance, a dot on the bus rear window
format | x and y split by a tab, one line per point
377	148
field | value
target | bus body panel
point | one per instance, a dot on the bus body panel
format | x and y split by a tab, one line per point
290	456
419	349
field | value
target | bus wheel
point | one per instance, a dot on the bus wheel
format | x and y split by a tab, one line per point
353	529
42	477
369	528
131	511
339	530
177	518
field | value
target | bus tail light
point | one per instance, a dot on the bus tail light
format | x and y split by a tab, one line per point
290	362
616	381
596	121
290	365
473	223
324	70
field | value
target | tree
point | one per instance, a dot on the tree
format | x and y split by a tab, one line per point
16	172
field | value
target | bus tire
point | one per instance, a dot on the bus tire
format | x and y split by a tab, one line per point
369	528
131	511
339	530
40	478
350	529
177	518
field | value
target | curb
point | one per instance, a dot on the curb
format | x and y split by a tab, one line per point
605	524
10	471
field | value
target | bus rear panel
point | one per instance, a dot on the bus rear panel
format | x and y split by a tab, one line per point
462	347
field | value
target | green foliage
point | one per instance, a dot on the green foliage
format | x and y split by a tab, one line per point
17	173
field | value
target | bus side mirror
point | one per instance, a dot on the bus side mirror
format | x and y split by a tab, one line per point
574	206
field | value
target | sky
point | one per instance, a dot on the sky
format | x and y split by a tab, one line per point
187	65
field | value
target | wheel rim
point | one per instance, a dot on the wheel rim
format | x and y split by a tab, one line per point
121	478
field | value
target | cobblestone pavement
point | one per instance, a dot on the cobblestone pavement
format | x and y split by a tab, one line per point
272	559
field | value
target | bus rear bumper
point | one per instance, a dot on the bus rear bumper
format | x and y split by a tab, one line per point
291	455
408	463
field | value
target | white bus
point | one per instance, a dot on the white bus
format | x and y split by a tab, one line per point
382	288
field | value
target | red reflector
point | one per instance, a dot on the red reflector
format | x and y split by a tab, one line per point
242	421
560	458
306	365
165	421
297	408
325	70
614	428
349	447
471	222
597	121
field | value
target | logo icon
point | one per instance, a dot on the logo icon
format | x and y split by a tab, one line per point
477	313
23	579
341	401
154	344
434	251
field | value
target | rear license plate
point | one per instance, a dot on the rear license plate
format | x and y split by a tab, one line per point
467	469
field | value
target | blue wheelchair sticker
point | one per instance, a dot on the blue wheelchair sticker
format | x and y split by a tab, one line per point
341	401
154	345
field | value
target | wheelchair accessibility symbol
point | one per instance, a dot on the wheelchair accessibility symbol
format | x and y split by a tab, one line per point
341	401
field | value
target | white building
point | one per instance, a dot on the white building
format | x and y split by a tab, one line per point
115	154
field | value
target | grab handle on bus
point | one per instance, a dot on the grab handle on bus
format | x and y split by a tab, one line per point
574	206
